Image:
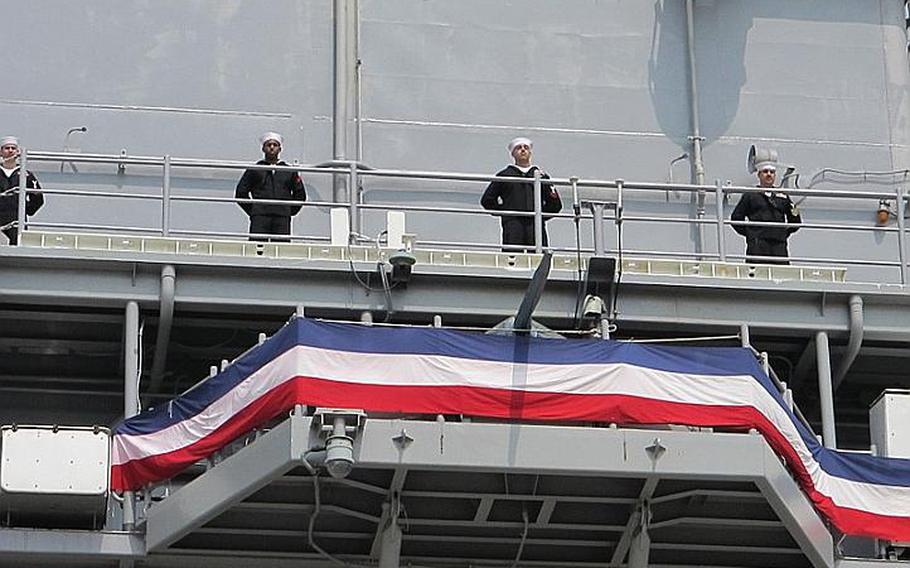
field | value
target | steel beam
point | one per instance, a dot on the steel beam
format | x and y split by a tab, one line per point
78	278
516	447
69	544
794	510
231	481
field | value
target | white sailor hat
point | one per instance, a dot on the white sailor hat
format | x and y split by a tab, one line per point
266	136
519	141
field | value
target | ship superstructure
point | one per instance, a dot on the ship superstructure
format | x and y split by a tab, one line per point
136	281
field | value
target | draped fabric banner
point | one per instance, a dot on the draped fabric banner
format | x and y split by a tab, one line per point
433	371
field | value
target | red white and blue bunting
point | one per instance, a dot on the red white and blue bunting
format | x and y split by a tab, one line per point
433	371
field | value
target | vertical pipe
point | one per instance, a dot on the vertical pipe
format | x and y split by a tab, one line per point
901	232
165	322
538	213
854	343
166	198
721	240
339	106
130	391
354	197
23	194
825	389
698	165
597	210
357	75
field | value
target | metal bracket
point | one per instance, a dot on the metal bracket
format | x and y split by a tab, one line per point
402	440
656	450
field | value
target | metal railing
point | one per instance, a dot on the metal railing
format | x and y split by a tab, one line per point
607	207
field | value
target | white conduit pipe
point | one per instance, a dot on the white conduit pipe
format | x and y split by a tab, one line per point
165	319
855	341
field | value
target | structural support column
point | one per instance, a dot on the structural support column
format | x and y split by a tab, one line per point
825	389
390	543
131	372
640	546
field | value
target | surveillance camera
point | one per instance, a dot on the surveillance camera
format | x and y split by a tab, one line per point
593	306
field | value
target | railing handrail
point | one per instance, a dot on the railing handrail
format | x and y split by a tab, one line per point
607	206
439	175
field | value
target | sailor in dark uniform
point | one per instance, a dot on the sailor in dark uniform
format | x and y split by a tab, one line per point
770	205
518	231
9	189
270	221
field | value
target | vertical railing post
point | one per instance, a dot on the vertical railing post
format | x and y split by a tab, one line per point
597	211
721	240
538	213
825	390
23	194
130	391
620	185
166	198
901	231
354	198
744	339
604	326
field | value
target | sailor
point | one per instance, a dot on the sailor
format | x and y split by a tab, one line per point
270	218
9	189
770	205
518	231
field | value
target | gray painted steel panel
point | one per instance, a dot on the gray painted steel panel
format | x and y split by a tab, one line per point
601	86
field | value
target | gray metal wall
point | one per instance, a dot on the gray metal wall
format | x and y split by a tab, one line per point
600	85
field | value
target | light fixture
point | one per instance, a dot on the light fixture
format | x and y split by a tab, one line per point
884	213
401	262
597	289
593	306
339	427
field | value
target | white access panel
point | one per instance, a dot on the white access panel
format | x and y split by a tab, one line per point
54	476
41	459
889	423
